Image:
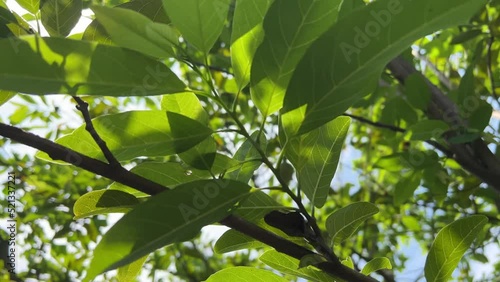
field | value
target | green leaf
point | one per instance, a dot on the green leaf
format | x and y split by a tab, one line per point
480	257
201	156
129	272
348	6
31	6
466	89
465	137
137	133
59	17
348	262
392	162
450	245
343	222
427	129
315	156
153	9
19	115
233	240
311	259
246	36
417	91
256	206
36	65
171	216
290	265
465	36
6	96
168	174
132	30
204	156
7	17
376	264
253	208
103	202
411	223
406	187
344	64
186	104
290	26
244	274
199	21
245	154
480	117
413	160
397	109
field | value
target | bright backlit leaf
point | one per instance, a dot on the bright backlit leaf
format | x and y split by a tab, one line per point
233	240
315	156
290	26
6	96
129	272
199	21
186	104
102	202
153	9
30	5
132	30
246	36
450	245
376	264
342	223
244	274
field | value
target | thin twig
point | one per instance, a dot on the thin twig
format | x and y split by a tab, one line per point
212	68
83	107
489	68
435	144
374	123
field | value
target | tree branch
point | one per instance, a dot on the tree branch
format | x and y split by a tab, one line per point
58	152
474	156
83	107
123	176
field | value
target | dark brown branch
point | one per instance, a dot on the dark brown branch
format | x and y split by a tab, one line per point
374	123
123	176
83	107
475	156
435	144
58	152
212	68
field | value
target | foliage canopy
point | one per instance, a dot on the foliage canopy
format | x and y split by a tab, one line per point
235	112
